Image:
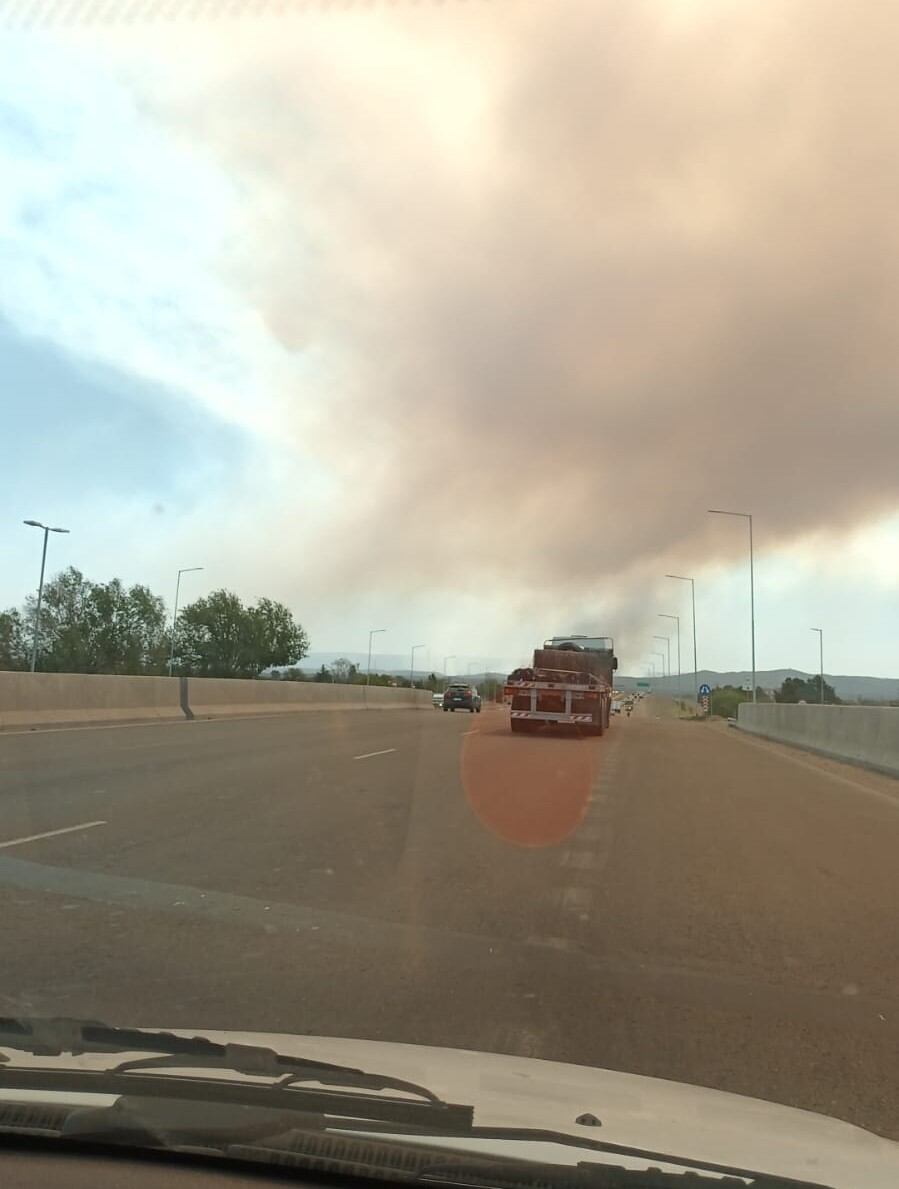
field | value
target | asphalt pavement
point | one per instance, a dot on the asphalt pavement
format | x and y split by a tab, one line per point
673	899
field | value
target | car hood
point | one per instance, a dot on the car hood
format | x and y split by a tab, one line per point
644	1112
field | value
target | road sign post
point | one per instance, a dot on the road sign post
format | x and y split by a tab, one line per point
705	698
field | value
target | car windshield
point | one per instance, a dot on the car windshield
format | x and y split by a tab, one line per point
450	564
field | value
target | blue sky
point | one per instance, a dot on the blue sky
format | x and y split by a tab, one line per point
87	434
235	321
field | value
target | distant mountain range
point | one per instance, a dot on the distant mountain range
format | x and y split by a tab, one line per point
848	688
389	662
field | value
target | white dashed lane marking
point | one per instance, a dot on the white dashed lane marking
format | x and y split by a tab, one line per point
368	755
581	860
577	899
49	834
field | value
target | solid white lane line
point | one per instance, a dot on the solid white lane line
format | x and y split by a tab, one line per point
474	732
369	754
50	834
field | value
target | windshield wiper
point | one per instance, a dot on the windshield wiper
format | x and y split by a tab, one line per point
354	1093
486	1174
354	1106
590	1174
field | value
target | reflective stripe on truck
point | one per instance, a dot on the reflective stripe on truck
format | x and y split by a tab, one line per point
552	716
587	691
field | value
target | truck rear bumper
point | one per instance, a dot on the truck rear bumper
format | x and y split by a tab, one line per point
552	716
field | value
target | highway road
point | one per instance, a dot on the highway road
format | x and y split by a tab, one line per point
674	899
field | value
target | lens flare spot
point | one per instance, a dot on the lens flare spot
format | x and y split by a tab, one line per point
528	790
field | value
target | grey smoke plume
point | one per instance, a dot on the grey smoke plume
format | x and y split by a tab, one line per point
565	275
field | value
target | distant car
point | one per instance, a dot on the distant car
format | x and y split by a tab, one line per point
616	707
437	700
462	697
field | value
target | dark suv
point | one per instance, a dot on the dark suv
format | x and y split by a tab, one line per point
462	697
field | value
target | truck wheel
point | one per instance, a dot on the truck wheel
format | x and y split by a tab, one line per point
445	708
479	710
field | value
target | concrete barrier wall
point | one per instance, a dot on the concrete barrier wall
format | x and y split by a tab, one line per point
59	699
865	735
43	699
219	697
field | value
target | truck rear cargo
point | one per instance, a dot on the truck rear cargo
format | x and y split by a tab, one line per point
569	682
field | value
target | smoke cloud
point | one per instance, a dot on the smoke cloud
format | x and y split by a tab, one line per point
560	277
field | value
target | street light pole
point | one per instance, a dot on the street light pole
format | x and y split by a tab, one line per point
820	632
746	516
373	632
415	647
661	657
664	615
186	570
40	590
683	578
446	661
667	640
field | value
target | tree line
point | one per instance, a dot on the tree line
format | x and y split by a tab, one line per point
106	627
346	672
726	698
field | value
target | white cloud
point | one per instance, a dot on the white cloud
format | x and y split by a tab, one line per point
113	235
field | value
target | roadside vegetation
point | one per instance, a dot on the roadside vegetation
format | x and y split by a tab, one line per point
107	627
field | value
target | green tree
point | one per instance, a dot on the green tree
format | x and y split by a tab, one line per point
63	641
217	636
344	670
90	627
324	674
805	689
126	629
14	650
726	698
293	674
376	679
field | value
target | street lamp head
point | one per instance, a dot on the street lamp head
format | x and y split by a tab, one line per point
45	527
